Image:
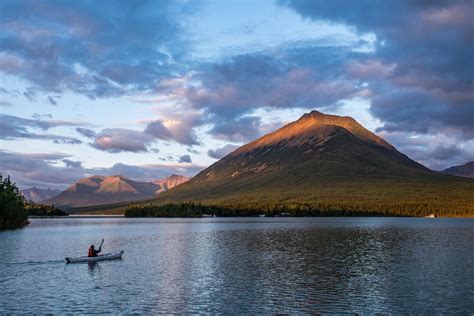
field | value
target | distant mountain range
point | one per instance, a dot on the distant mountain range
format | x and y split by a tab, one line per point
38	195
466	170
325	160
98	190
170	182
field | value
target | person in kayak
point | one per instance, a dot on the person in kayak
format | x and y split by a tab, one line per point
93	252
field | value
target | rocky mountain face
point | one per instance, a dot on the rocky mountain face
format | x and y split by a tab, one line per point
38	195
466	170
98	190
170	182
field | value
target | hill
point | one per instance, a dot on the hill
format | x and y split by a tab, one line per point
170	182
99	190
38	195
323	164
466	170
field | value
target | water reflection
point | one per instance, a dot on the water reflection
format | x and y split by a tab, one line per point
92	266
243	266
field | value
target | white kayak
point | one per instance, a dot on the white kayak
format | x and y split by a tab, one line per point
105	256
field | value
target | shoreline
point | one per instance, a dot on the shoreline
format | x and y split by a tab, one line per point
207	217
80	216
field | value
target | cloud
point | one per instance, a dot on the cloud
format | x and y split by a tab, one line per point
219	153
37	169
238	130
38	116
86	132
229	91
420	72
116	140
369	69
176	127
51	100
30	94
72	164
41	170
182	131
412	60
43	156
238	86
13	127
185	158
66	140
437	151
120	140
158	130
153	171
419	111
97	50
441	152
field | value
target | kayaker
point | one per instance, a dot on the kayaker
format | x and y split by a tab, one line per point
93	252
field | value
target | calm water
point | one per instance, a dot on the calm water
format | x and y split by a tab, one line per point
241	265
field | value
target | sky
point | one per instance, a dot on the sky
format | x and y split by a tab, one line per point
150	88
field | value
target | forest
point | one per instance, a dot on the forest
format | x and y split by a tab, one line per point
291	209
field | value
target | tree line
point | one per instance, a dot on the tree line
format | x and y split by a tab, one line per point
293	209
14	209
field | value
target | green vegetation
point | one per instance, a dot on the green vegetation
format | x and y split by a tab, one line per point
44	210
13	213
291	209
313	168
310	192
431	193
108	209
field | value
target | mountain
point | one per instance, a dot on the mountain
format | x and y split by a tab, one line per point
170	182
326	161
38	195
99	190
466	170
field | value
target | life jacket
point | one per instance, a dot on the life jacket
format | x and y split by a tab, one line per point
91	252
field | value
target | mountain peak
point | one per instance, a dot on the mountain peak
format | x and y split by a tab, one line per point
96	190
327	119
315	128
37	195
316	118
317	158
170	182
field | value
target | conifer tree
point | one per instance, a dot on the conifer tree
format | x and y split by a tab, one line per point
13	213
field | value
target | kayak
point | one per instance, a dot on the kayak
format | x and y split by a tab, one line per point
105	256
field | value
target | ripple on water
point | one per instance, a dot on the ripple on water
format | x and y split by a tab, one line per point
261	265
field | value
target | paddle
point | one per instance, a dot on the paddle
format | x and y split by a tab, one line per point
100	247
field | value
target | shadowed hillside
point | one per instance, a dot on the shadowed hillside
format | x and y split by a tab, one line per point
466	170
324	162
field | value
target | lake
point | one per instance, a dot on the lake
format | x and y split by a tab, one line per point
241	265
